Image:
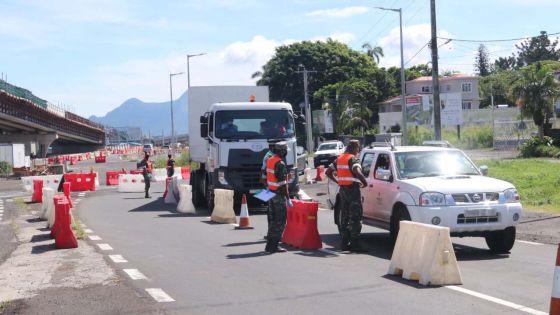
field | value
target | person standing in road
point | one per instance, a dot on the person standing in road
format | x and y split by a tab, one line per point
170	166
147	168
350	179
276	178
263	174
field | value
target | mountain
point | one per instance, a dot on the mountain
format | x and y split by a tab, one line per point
150	117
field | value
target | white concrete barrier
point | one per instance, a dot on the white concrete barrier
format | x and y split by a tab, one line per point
175	181
96	180
170	196
159	174
51	181
131	183
185	200
307	176
50	213
48	194
223	207
177	173
425	253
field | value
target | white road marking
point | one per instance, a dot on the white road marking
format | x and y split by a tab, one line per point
496	300
323	209
331	252
527	242
135	274
10	200
118	259
88	231
104	246
303	195
159	295
94	237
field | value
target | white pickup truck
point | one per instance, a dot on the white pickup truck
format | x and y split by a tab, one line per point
439	186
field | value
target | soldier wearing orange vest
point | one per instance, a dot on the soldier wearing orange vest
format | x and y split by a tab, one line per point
276	180
350	178
147	168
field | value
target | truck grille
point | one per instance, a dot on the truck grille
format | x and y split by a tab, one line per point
251	180
476	197
461	219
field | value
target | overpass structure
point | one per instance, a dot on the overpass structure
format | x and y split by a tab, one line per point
26	119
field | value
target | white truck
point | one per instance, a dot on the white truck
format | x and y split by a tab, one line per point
229	130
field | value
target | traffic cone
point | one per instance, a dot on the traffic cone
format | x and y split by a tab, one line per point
319	176
244	216
555	298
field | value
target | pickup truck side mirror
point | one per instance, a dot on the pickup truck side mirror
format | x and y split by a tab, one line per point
484	170
382	174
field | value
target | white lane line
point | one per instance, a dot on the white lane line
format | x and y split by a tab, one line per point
323	209
104	246
118	259
87	231
304	196
159	295
94	237
497	301
10	200
135	274
331	252
527	242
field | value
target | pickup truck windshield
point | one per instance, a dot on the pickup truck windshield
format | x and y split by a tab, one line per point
254	124
434	163
327	146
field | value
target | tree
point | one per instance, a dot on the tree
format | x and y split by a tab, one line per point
537	48
373	52
411	73
535	89
482	64
497	84
506	63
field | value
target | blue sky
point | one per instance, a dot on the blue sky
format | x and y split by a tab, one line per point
92	55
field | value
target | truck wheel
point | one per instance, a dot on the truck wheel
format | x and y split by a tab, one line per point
197	197
399	214
209	196
501	242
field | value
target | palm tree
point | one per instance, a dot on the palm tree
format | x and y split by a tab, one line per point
535	89
373	52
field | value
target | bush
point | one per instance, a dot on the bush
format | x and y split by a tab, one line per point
417	135
5	168
537	147
472	137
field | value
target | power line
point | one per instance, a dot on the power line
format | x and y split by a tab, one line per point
374	25
416	54
495	40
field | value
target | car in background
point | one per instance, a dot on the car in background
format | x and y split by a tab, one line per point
327	152
148	148
438	186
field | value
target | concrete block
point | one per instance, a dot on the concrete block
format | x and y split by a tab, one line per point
223	207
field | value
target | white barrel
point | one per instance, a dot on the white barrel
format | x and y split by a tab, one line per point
48	194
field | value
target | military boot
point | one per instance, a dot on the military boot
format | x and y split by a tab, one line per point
344	243
273	248
356	247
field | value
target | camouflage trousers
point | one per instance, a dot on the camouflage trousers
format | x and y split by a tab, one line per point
277	213
350	224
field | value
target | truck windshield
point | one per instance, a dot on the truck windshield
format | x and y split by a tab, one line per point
254	124
434	163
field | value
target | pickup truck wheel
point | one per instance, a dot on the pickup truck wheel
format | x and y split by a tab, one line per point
400	214
501	242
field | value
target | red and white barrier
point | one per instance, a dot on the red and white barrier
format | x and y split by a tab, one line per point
131	183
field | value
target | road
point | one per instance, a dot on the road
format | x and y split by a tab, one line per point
209	268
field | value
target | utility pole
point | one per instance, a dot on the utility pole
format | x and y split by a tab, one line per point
435	74
307	110
492	104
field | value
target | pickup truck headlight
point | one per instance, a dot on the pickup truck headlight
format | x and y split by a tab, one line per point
432	199
511	195
222	178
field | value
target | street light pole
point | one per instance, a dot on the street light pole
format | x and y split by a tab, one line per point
171	75
403	82
188	67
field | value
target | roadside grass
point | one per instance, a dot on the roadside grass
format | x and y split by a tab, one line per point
77	226
4	305
22	205
536	180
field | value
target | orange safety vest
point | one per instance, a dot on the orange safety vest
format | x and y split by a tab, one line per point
149	166
271	179
343	172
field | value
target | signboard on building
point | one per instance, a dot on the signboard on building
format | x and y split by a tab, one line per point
451	109
416	112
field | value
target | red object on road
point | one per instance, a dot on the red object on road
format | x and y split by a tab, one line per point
66	187
185	172
319	176
112	177
55	227
64	237
167	181
301	226
555	298
244	216
100	159
37	196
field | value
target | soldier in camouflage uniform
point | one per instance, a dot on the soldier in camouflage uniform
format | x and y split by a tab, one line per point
350	179
276	172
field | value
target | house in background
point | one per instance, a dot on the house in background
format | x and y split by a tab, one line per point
466	85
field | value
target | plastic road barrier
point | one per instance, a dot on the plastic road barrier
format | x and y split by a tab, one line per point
244	223
131	183
425	253
37	191
112	177
66	188
100	159
170	191
555	298
64	236
185	172
223	207
51	213
319	176
185	200
81	181
160	174
301	225
167	181
48	194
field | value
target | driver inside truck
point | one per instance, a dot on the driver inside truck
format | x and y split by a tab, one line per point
228	126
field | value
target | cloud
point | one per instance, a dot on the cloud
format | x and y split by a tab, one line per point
338	12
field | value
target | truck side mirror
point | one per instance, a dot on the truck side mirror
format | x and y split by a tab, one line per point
204	126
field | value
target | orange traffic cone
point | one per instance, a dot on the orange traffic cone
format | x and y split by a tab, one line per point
244	216
555	299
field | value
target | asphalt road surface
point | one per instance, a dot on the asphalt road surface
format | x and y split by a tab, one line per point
199	267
